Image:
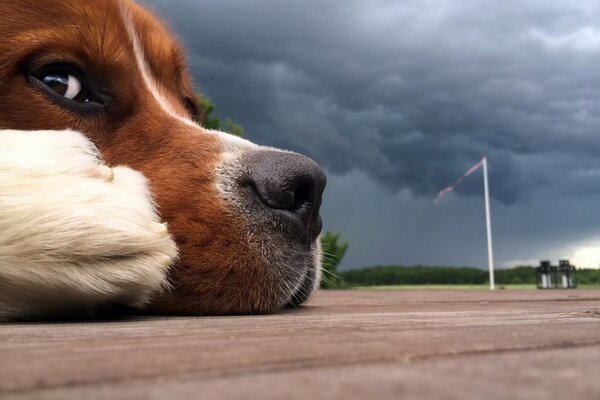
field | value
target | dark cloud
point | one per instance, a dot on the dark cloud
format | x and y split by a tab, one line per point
410	94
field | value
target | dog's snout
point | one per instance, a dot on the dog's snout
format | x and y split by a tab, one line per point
291	185
287	181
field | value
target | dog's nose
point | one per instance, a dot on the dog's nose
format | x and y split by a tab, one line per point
292	185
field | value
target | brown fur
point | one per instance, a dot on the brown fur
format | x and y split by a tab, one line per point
218	270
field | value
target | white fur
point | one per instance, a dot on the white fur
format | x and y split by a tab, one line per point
230	142
74	235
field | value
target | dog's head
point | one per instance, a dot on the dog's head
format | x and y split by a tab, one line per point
245	218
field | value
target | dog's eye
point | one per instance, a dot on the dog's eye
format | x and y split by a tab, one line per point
66	85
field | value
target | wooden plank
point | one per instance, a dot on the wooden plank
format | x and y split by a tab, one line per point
345	344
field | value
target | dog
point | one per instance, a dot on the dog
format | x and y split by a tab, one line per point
111	191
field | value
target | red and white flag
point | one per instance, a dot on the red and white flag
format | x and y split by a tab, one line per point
450	188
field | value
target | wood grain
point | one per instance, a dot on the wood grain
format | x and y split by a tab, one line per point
343	345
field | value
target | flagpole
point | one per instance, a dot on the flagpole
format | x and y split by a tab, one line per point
488	223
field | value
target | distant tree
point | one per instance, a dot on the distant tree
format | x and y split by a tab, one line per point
209	121
233	128
588	276
333	252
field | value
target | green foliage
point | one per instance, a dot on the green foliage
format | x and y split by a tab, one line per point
517	275
210	121
587	277
333	252
207	108
398	275
233	128
422	275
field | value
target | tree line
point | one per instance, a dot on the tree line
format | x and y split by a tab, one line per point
334	249
431	275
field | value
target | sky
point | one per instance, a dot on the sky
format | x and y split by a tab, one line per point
396	99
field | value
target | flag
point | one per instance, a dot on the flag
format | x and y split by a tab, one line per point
450	188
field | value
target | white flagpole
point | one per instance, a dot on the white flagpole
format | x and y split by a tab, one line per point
488	222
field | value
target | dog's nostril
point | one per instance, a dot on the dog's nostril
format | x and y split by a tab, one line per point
290	195
289	182
303	195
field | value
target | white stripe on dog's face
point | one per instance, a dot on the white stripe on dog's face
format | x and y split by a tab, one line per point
229	141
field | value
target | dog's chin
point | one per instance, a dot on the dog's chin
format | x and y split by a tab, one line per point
307	287
284	277
289	272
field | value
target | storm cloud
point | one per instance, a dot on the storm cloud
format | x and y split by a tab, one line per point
397	99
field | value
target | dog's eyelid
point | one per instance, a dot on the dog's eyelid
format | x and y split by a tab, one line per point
66	67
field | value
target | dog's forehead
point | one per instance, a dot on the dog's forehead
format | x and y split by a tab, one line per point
95	27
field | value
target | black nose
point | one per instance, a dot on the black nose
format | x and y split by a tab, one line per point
292	185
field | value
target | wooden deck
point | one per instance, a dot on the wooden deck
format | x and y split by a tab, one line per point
344	345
